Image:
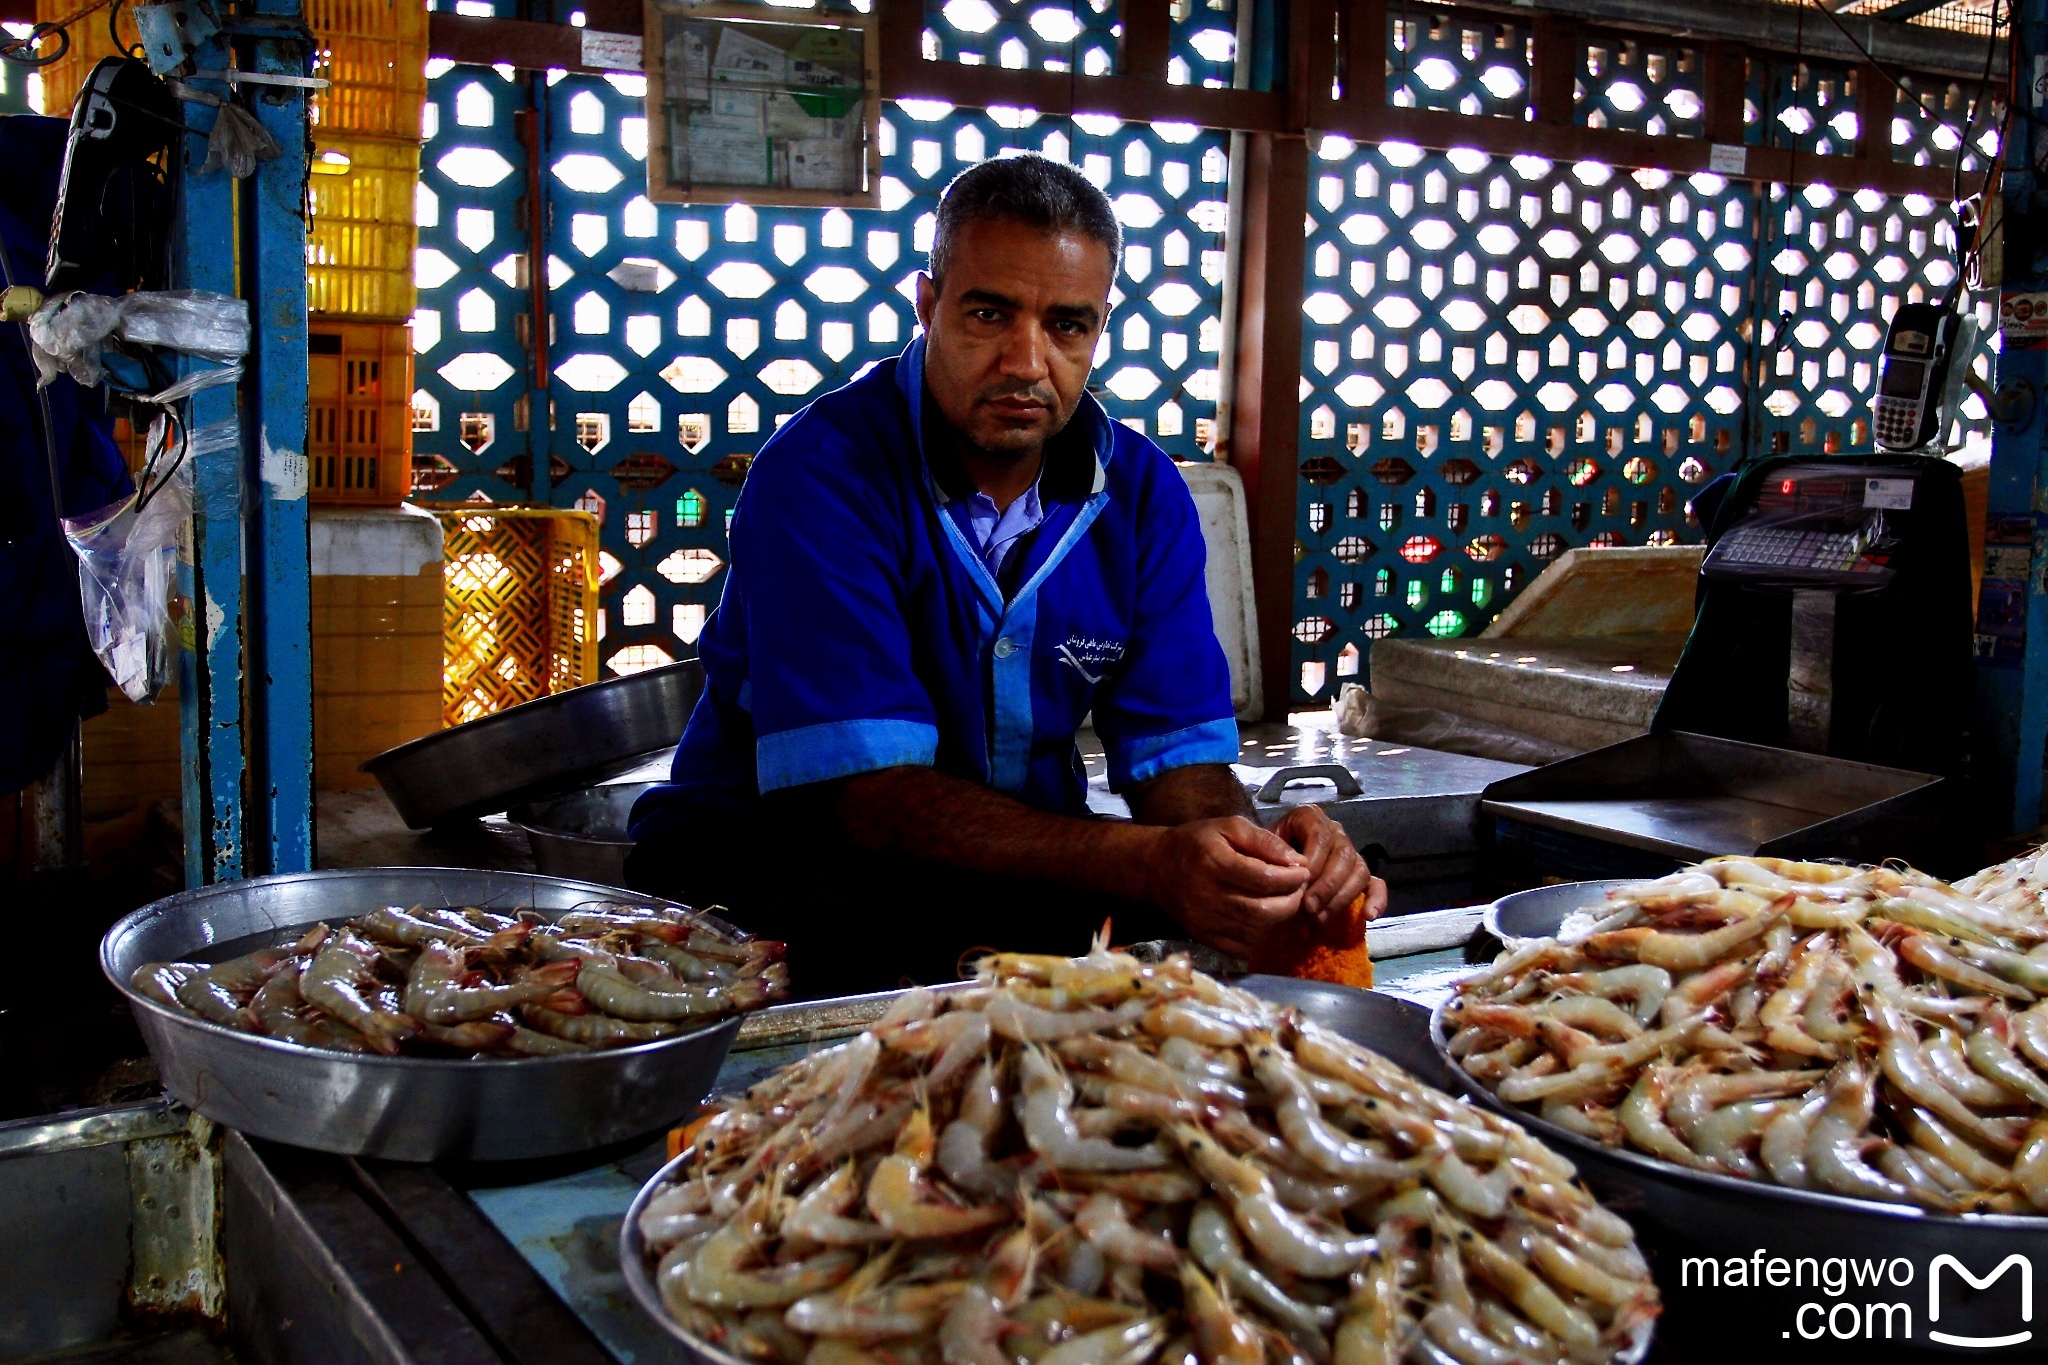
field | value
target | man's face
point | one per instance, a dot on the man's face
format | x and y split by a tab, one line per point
1010	332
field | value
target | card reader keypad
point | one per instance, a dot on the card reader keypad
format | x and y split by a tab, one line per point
1897	424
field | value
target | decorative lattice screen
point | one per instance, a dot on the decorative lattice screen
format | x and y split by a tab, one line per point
1508	357
683	333
1503	358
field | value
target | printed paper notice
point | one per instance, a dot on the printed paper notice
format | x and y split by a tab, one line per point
1726	159
611	51
747	60
1889	494
820	164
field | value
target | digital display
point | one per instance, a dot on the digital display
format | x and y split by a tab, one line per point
1901	378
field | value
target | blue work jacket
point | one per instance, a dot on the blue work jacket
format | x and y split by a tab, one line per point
859	629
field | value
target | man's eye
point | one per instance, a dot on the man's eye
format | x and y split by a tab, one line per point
986	315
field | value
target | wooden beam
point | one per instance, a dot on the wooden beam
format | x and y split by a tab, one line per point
1724	86
906	75
1365	53
1147	40
1554	70
1265	423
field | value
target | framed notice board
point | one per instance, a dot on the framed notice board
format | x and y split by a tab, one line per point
753	105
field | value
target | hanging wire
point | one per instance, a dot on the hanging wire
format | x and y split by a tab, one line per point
23	51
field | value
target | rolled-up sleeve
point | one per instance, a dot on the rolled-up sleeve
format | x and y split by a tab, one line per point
1167	703
830	686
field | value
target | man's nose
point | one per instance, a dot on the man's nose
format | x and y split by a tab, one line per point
1024	351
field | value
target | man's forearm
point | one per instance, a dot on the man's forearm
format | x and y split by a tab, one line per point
1200	791
922	813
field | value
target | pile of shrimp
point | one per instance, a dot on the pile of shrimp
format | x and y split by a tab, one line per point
2018	886
441	982
1866	1031
1095	1162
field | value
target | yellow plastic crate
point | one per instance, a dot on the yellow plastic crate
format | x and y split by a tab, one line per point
359	254
359	412
375	54
90	42
519	620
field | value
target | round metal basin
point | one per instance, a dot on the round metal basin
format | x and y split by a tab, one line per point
1538	913
582	834
572	739
402	1108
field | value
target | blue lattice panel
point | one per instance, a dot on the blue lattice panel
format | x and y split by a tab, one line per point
1640	85
1503	358
1457	63
684	333
1082	36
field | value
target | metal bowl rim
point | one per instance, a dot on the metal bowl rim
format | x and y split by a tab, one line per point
633	1263
522	814
484	725
1490	919
1555	1136
260	1040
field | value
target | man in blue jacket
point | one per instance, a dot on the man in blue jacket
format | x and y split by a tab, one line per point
937	573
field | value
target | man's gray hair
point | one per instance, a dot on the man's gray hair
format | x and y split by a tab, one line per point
1039	193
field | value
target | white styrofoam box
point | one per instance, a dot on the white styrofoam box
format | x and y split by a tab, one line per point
1219	502
365	542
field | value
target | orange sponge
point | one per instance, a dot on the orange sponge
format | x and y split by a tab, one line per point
1333	950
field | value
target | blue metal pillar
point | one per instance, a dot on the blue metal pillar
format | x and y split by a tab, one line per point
2012	614
279	644
205	246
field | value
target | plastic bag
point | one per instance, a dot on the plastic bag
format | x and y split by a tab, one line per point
68	331
128	570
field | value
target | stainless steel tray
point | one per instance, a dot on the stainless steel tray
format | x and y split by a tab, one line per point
572	739
1537	913
402	1108
1648	804
1396	1029
581	834
1681	1214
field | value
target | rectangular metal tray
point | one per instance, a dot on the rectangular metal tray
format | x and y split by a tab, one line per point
1651	803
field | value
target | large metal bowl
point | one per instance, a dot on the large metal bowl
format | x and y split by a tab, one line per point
401	1108
1683	1215
581	834
572	739
1538	913
1397	1029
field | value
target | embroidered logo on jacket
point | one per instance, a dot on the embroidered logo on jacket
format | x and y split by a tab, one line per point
1090	657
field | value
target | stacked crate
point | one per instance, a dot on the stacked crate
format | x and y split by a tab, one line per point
366	128
359	282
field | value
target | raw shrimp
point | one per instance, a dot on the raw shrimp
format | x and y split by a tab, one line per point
220	993
903	1203
820	1215
1279	1234
716	1277
333	982
1045	1111
440	990
1212	1240
1104	1221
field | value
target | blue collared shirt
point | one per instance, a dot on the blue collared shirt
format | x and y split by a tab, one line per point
860	626
994	534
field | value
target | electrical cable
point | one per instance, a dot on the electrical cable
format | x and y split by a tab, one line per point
12	49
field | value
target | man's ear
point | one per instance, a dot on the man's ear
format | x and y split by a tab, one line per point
927	299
